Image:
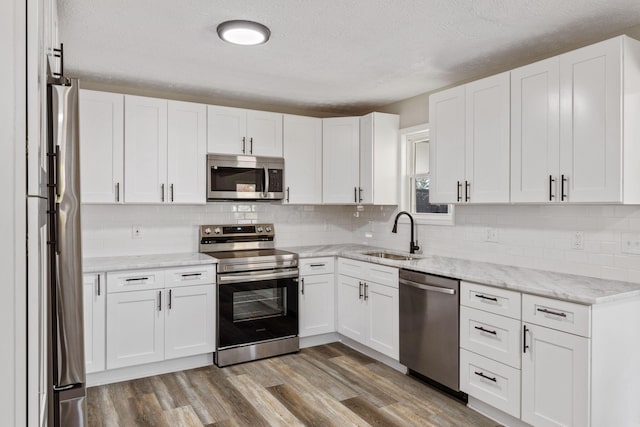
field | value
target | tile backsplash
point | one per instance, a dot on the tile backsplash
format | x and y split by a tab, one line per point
528	236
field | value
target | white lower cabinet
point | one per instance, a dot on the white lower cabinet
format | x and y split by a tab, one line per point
368	312
135	328
316	296
490	381
158	323
190	321
555	378
94	293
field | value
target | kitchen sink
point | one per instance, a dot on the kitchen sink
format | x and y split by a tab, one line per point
394	257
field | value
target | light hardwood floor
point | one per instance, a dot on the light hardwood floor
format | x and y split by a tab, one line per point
329	385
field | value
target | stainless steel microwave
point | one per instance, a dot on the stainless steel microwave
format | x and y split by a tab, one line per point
232	177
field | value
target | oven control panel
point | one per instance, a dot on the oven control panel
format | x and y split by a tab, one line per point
230	233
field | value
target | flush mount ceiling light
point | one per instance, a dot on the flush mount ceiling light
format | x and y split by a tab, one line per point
246	33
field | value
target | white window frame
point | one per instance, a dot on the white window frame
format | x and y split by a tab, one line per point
407	138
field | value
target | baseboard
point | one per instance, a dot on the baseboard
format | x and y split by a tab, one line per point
495	414
319	340
392	363
149	369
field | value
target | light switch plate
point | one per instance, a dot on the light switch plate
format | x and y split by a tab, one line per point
577	240
491	235
136	232
630	243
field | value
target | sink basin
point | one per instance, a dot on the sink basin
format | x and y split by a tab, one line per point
390	256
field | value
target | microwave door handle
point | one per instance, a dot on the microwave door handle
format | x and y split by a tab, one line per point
266	181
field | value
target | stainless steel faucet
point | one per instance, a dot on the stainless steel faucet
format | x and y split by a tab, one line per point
413	246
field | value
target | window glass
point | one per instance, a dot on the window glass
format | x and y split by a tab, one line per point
419	176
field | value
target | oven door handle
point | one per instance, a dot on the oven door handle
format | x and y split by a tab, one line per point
224	279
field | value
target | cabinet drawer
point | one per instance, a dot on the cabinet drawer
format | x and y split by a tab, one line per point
313	266
350	267
494	383
192	275
561	315
134	280
488	298
490	335
381	274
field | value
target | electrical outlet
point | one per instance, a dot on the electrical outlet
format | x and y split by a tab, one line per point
630	243
136	232
491	235
577	242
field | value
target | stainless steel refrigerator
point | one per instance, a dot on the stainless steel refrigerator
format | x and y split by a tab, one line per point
63	292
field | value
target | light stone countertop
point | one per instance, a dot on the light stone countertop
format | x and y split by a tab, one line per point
580	289
133	262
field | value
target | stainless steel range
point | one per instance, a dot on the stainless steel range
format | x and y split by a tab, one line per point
257	293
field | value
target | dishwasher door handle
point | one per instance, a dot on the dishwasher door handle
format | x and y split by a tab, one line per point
428	287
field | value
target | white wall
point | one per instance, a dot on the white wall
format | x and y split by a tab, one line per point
529	236
12	214
107	229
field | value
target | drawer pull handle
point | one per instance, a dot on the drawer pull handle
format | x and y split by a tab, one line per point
481	374
485	297
480	328
317	265
135	279
192	275
555	313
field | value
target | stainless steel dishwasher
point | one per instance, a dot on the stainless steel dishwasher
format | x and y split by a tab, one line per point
429	325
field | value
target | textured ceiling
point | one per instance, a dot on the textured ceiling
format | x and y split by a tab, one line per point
327	55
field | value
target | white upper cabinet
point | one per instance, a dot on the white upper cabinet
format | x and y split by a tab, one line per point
446	146
591	94
469	147
340	160
303	159
244	132
145	149
535	132
487	140
187	149
101	147
379	159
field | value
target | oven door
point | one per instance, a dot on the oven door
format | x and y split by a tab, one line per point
257	306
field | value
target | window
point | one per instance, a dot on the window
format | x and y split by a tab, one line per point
416	179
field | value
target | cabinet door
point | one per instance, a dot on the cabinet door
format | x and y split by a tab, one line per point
535	132
590	122
187	148
264	133
555	378
190	321
487	166
101	146
94	292
350	309
303	159
135	328
226	130
317	314
145	149
382	311
340	158
379	159
446	146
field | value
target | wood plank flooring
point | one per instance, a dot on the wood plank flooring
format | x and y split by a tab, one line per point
329	385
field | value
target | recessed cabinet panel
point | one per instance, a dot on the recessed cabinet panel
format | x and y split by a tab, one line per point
350	308
302	140
487	142
264	133
535	132
101	146
190	321
94	293
145	150
187	148
227	129
383	319
591	114
447	145
340	160
317	302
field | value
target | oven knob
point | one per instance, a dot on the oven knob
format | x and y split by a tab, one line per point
267	229
217	230
259	229
207	230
